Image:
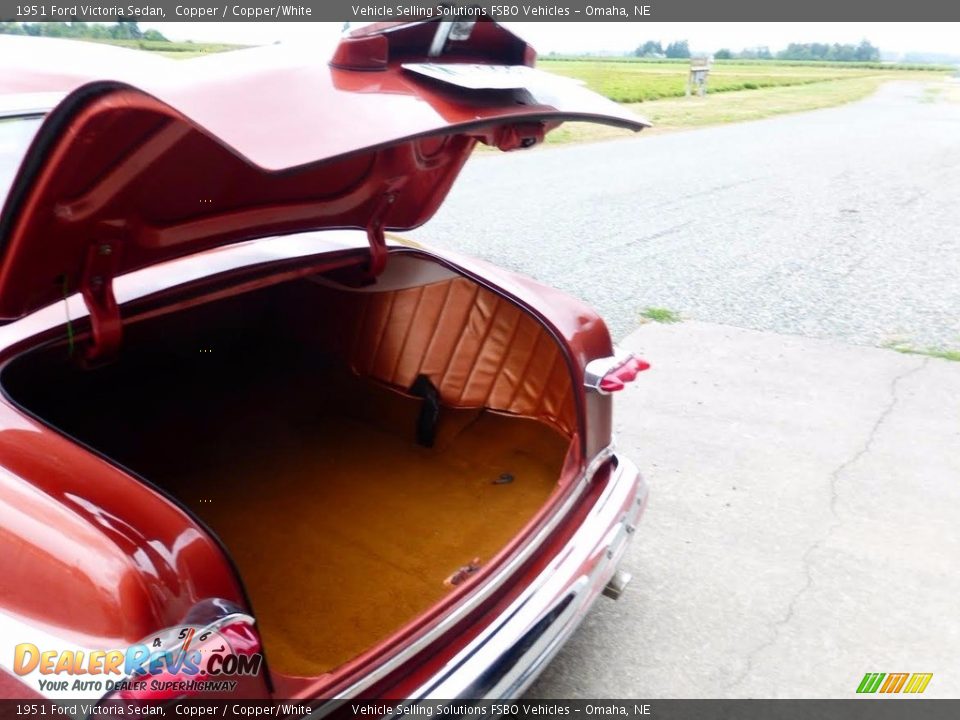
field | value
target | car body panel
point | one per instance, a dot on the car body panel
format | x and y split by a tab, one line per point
264	141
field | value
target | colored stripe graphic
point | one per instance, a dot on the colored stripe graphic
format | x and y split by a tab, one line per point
918	682
894	683
870	682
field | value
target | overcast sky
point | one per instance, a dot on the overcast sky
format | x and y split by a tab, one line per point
619	36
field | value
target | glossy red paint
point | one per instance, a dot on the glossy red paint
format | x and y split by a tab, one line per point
11	687
110	544
374	46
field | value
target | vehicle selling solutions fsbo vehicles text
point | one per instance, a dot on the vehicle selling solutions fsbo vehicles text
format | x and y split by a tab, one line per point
407	11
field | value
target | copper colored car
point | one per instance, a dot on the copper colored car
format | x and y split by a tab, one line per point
252	445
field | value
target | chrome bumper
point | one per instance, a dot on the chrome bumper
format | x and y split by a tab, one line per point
508	656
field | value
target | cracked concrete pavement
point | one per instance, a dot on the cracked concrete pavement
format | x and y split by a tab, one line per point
802	528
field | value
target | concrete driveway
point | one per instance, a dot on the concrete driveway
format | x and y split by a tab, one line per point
804	521
803	527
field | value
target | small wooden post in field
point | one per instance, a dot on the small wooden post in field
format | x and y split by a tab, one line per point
699	69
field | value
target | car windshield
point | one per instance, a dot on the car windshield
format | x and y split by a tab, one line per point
15	135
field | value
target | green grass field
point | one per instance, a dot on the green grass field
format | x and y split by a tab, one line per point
178	50
737	90
632	81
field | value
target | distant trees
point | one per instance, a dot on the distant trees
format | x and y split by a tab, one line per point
762	52
121	30
864	52
678	49
651	48
127	30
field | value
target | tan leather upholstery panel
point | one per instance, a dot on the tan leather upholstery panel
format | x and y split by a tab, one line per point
478	349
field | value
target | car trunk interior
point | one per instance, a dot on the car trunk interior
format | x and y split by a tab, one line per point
285	419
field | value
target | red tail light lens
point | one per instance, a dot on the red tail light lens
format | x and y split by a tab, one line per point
611	374
618	377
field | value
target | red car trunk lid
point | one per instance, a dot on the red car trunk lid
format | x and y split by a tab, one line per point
260	142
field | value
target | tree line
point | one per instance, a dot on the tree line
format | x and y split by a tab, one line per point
864	52
121	30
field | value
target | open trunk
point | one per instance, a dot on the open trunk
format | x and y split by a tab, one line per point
284	419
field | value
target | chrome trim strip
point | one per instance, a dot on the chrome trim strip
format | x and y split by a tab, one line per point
215	626
29	104
596	369
449	30
440	38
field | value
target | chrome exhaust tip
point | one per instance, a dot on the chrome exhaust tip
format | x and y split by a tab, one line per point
618	583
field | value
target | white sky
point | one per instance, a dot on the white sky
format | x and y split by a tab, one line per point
619	36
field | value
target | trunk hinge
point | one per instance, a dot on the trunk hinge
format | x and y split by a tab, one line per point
97	288
378	243
378	250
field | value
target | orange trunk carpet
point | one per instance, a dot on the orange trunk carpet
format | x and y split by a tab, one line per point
343	532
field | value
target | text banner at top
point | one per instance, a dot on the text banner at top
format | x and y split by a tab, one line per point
563	11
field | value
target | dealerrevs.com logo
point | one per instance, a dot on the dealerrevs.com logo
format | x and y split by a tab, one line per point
178	659
890	683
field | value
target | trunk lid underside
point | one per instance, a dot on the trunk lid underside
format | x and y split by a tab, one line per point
264	142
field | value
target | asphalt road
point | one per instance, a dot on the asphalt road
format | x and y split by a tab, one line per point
839	223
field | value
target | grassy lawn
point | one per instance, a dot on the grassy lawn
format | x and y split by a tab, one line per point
737	90
631	81
907	349
178	50
736	106
660	315
638	81
948	92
